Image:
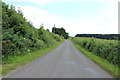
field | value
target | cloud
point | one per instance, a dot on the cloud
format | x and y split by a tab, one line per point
103	24
98	25
38	16
41	2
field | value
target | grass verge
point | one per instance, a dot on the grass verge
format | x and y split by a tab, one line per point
27	58
0	70
110	68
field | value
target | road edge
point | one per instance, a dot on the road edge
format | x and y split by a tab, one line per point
108	70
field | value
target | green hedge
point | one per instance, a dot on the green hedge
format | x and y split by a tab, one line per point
20	37
107	49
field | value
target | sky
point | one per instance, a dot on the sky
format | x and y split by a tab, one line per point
75	16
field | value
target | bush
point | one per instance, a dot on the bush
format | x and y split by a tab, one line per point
19	35
107	49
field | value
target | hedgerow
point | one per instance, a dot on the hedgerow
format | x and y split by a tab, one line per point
107	49
20	37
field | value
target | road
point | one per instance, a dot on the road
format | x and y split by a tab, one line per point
63	62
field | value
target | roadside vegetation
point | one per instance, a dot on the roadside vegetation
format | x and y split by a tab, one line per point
103	52
60	31
21	42
18	61
0	70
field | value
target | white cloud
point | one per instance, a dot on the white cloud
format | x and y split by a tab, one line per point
104	23
98	25
41	2
38	16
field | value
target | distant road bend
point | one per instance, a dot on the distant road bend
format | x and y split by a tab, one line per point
63	62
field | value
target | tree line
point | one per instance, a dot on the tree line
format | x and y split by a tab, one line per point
101	36
60	31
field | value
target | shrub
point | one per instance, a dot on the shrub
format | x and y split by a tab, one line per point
19	35
107	49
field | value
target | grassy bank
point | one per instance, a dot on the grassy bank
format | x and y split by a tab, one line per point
21	41
110	68
0	70
27	58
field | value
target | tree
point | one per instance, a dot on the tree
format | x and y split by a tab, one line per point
60	31
47	30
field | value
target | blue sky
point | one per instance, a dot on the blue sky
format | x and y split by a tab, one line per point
76	16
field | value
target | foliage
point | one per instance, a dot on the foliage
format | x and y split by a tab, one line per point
19	35
60	31
103	63
107	49
18	61
101	36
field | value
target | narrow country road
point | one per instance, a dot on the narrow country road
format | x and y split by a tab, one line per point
63	62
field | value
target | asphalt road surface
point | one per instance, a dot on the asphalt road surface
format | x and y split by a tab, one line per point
63	62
